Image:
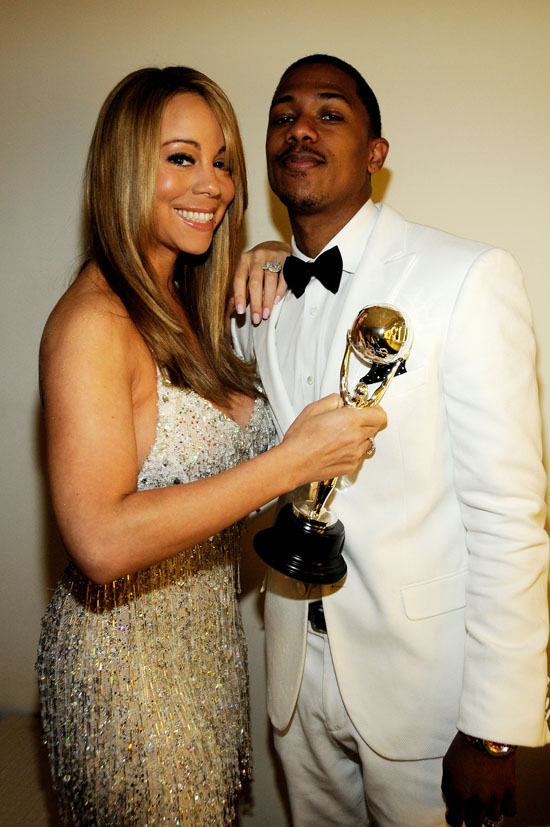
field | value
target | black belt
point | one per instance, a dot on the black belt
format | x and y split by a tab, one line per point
316	616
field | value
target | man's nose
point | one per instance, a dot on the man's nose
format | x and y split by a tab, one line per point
302	129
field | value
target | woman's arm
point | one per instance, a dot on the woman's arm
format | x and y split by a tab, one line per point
89	374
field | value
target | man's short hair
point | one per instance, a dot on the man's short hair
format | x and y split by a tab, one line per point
364	92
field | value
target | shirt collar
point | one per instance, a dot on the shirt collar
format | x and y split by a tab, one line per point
351	239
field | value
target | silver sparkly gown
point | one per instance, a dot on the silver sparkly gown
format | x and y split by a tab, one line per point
143	682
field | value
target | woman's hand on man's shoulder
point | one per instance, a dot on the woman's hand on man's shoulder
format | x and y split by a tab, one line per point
259	278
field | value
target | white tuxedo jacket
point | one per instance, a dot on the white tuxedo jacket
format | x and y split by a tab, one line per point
442	621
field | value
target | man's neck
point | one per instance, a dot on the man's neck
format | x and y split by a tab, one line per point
312	232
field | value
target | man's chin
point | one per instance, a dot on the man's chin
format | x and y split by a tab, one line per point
299	202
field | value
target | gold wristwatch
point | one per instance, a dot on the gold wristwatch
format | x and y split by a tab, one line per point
492	748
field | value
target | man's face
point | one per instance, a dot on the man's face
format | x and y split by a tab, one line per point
319	154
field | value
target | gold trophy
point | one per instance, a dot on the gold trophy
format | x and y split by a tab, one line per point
306	540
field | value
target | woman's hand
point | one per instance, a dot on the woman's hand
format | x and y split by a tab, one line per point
328	439
264	287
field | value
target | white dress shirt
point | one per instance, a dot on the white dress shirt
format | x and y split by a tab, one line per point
306	325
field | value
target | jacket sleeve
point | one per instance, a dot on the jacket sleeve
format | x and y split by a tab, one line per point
489	381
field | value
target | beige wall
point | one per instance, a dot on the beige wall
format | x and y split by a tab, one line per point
464	93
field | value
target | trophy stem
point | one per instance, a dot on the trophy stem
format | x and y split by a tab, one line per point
320	496
320	491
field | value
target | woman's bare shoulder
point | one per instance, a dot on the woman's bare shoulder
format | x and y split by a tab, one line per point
89	310
88	323
88	301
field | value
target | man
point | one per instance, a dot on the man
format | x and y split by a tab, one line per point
435	641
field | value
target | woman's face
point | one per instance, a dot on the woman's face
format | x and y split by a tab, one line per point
194	186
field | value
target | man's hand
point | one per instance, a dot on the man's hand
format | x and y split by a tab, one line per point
476	786
264	287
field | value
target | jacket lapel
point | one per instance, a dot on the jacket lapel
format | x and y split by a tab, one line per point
269	368
381	274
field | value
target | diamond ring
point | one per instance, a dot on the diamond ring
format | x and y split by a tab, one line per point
273	266
370	451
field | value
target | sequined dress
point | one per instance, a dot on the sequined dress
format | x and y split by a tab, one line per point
143	682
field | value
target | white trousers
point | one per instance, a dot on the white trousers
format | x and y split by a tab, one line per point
334	779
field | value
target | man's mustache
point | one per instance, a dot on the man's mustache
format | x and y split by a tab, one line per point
296	153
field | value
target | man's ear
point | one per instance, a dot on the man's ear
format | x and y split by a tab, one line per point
378	149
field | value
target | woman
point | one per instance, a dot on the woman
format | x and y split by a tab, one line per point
149	420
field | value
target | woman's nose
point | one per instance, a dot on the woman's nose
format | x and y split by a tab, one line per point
207	180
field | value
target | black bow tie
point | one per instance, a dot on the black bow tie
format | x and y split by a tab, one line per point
327	268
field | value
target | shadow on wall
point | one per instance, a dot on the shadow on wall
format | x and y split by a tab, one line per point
533	772
51	812
380	183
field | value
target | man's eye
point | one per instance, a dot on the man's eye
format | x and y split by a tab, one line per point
331	116
180	159
282	119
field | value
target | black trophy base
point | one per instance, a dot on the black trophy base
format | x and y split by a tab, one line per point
303	549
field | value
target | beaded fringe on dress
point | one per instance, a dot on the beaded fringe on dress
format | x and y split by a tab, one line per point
143	682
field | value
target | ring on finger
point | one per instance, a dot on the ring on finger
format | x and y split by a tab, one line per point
273	266
371	449
491	822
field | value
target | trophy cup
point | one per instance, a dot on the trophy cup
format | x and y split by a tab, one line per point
306	540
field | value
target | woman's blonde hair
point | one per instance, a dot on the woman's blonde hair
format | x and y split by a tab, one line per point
120	223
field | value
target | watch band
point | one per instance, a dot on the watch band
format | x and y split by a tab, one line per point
492	748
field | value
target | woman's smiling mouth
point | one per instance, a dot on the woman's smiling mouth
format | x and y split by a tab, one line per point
195	217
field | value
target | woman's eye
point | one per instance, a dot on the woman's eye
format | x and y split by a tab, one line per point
180	159
220	164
